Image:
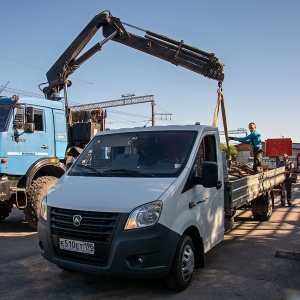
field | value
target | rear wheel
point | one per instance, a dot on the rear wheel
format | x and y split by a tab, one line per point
36	193
183	265
256	216
267	215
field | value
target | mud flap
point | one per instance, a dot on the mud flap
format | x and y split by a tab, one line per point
4	189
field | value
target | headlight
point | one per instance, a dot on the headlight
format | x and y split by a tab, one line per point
43	211
144	216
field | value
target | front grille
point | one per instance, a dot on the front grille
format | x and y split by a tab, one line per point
96	227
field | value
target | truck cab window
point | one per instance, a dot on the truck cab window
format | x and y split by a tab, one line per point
140	154
38	120
4	114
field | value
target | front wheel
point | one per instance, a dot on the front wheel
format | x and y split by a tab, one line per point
183	265
35	195
5	210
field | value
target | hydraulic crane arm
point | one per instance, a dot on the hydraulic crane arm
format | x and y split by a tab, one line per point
152	43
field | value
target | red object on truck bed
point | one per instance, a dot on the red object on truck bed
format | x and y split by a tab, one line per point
277	147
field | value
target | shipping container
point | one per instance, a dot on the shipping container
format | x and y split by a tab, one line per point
277	147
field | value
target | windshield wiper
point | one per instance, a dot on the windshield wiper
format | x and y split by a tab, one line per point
88	168
128	172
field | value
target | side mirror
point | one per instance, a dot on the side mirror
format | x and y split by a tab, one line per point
29	114
30	128
19	119
209	176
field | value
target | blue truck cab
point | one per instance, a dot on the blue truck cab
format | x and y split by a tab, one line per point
33	143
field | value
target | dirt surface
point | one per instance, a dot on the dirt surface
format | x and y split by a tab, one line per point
243	266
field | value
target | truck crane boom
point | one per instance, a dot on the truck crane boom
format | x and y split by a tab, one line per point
177	53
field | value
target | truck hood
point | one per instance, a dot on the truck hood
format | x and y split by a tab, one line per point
108	194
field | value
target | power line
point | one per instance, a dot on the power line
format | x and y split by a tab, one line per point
23	93
19	62
3	87
126	113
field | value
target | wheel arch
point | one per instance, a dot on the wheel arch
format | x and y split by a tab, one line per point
194	234
43	167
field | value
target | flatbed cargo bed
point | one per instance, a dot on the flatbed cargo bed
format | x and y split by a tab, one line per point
242	191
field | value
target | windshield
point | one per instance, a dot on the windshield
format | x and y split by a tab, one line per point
4	113
143	154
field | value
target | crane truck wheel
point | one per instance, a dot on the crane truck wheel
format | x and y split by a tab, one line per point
35	195
5	210
183	265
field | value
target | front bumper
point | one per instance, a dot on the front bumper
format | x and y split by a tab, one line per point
140	253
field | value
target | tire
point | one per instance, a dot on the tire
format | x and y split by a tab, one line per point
69	162
267	215
256	216
183	265
5	210
35	195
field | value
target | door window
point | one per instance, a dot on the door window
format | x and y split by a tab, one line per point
206	152
38	120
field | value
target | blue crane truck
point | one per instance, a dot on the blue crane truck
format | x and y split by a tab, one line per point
39	137
36	146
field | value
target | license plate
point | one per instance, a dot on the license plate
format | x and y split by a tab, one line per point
77	246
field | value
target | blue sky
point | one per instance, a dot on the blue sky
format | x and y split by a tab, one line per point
257	40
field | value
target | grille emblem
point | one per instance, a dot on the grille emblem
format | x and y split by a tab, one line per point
77	220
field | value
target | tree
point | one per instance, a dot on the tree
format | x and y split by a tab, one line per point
232	150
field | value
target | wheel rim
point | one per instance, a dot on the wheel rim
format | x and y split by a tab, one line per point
188	263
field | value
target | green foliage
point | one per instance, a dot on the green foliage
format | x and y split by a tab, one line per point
232	150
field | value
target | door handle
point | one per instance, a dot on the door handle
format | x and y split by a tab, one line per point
44	147
219	185
193	204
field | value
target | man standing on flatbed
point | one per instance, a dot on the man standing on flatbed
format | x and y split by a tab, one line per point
254	139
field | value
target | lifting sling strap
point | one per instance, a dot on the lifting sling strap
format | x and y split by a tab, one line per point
221	103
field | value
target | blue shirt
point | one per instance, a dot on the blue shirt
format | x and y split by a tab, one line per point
254	139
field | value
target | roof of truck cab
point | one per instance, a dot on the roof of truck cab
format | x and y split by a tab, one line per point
198	128
35	102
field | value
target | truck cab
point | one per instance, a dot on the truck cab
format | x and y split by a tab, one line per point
23	146
33	139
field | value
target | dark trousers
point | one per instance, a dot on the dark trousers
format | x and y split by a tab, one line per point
288	188
257	156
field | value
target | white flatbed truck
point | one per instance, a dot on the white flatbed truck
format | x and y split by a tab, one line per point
147	202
